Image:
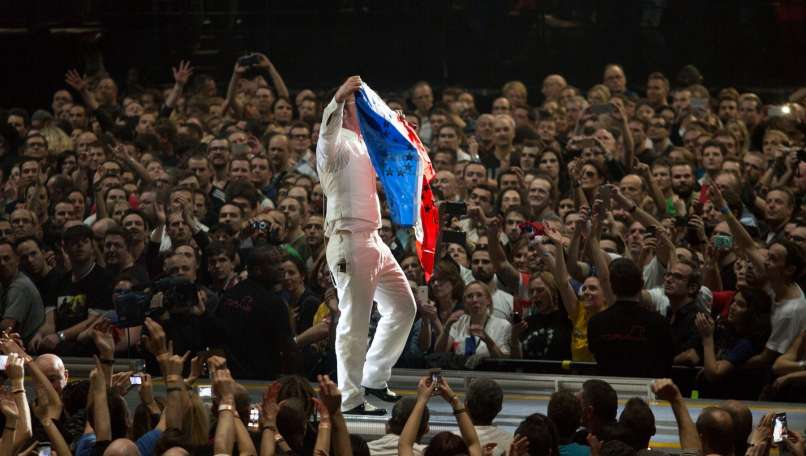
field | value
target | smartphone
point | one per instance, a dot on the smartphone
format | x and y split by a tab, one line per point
699	104
3	362
454	208
422	294
436	377
136	380
604	108
254	417
779	111
454	237
43	449
779	431
205	391
723	242
652	231
604	195
703	194
586	142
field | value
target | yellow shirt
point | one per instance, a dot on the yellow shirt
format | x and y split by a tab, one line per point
579	336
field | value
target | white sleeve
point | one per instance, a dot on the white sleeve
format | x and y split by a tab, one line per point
784	332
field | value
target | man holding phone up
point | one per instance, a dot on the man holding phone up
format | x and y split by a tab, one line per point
362	266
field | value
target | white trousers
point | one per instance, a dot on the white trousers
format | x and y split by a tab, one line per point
364	270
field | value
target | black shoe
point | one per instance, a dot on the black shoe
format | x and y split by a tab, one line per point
384	394
366	409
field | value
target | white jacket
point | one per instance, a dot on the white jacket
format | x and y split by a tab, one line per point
346	175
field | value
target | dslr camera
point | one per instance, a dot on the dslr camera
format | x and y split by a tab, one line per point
179	295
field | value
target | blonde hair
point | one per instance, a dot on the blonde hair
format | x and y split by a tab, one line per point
196	423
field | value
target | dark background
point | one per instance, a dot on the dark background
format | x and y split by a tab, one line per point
479	44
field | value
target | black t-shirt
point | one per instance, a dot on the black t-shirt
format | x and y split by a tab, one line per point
684	333
49	287
548	336
628	340
254	329
75	299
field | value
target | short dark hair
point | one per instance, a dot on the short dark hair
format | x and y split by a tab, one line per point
446	443
401	413
602	397
217	248
794	255
118	231
565	412
540	432
484	399
715	426
637	417
626	278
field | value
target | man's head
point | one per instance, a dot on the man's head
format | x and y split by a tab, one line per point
32	256
446	183
565	412
293	210
200	166
116	248
422	97
53	368
484	400
599	403
682	178
785	260
9	262
780	205
541	434
682	281
221	260
278	152
122	447
264	265
715	427
180	265
473	175
632	186
77	241
232	215
401	413
482	266
639	421
503	130
626	279
483	197
657	89
24	223
218	152
614	79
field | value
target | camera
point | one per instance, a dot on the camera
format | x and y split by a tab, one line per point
133	306
259	225
249	61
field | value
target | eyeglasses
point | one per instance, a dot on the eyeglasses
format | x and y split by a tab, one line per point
476	196
589	173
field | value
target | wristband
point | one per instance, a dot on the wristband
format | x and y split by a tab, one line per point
324	426
225	408
269	427
457	412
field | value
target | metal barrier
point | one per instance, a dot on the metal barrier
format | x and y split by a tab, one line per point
81	367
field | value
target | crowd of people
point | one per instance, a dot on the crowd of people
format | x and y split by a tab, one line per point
636	231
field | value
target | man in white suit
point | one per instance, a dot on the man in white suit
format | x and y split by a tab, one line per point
362	265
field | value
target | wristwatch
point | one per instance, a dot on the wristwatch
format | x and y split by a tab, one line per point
60	335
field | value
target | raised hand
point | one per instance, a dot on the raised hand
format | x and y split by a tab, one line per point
174	365
8	406
15	367
183	73
425	388
102	336
121	382
75	80
324	414
705	325
519	446
146	391
666	390
329	394
350	86
223	383
155	341
270	408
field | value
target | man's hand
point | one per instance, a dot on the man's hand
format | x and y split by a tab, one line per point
425	388
74	80
146	389
15	370
223	383
174	365
103	338
666	390
350	86
183	73
270	408
121	382
97	379
45	411
329	394
705	325
155	340
519	446
8	406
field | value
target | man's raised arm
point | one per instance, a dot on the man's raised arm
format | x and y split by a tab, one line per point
333	119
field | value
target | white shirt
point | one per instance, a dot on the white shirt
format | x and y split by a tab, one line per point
660	302
498	329
387	446
492	434
788	320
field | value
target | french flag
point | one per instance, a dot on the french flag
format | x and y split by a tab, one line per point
401	161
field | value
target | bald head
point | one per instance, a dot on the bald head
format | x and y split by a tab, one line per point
715	427
742	423
53	368
122	447
176	451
